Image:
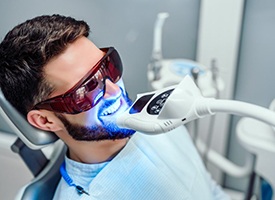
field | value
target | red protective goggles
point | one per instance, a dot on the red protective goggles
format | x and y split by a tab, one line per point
89	90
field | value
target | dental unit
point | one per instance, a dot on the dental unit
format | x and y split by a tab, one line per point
163	72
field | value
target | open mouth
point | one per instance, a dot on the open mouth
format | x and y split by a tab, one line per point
112	109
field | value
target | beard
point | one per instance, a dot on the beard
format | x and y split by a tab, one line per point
107	131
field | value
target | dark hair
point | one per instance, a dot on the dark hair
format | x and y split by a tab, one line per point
26	49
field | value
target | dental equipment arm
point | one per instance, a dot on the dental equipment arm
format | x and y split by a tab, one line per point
157	53
156	58
166	109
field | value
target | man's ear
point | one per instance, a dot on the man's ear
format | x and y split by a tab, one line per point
43	120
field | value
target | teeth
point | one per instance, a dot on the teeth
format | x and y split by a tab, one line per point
112	108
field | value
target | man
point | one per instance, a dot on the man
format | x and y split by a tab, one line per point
55	76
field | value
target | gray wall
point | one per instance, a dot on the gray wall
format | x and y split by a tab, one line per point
127	25
255	80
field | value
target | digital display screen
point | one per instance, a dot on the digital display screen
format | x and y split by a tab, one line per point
140	103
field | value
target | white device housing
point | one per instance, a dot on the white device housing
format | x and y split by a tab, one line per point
181	104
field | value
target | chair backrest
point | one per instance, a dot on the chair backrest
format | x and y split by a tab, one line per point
31	136
29	144
43	186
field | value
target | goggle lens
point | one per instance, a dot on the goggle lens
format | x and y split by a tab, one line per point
86	93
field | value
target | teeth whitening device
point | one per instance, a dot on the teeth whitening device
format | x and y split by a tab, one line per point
168	108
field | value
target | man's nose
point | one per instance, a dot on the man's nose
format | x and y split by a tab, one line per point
111	89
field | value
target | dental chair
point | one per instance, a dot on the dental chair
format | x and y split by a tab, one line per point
41	151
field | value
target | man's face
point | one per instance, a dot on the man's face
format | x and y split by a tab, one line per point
98	123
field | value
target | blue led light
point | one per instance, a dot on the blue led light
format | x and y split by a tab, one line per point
110	125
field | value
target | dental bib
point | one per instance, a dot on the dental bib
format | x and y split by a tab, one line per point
160	167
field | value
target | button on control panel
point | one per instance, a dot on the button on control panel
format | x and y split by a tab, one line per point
157	103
